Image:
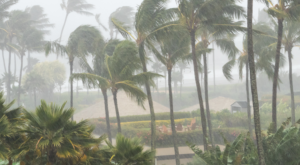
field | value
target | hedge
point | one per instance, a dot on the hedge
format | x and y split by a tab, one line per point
146	124
158	116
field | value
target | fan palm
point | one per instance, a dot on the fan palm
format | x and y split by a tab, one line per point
121	67
76	6
196	15
149	23
52	135
9	123
284	10
172	50
81	42
129	151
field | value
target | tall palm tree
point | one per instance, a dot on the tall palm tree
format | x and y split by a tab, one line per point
81	42
182	66
17	21
53	136
129	151
4	6
284	10
76	6
121	68
257	126
33	82
148	24
172	50
290	39
195	15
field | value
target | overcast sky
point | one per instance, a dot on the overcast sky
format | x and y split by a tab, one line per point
105	8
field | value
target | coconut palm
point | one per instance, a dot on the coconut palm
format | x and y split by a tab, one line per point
284	10
76	6
197	15
4	6
125	15
172	50
53	136
17	21
121	68
129	151
260	150
81	42
290	39
148	24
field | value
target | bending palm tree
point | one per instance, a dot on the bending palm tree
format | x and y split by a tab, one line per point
285	9
4	6
150	17
195	15
76	6
80	42
121	67
172	50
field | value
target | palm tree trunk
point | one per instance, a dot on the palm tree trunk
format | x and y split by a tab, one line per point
150	101
181	80
20	79
62	30
10	162
254	85
104	92
174	136
71	86
291	86
275	78
203	118
15	60
9	74
165	81
4	61
29	64
214	69
207	99
117	111
77	89
248	99
34	97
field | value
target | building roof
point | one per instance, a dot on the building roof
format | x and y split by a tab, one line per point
243	104
127	107
216	104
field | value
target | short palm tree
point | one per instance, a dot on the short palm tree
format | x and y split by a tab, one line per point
121	67
172	49
149	23
9	123
80	43
213	15
130	151
76	6
53	136
284	10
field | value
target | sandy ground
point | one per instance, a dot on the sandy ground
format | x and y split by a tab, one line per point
217	104
127	107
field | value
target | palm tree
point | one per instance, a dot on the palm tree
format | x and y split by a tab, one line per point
81	42
182	66
290	39
195	15
125	15
12	27
52	135
4	6
260	150
76	6
121	67
33	82
172	50
285	9
149	23
9	122
129	151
